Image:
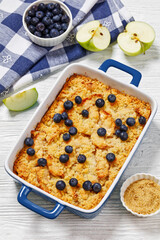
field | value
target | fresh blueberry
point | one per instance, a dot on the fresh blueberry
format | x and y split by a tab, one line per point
56	11
60	185
29	141
123	136
118	132
42	162
57	26
69	149
96	187
46	21
54	33
73	131
73	182
142	120
57	117
64	158
38	34
130	121
68	122
27	19
85	113
64	115
34	8
39	14
111	98
34	21
30	151
123	128
65	18
61	11
31	13
52	22
51	26
66	136
50	6
57	5
64	26
46	31
118	122
40	27
81	158
100	102
46	35
61	32
42	7
87	185
101	132
56	18
78	99
110	157
68	104
49	14
60	15
31	28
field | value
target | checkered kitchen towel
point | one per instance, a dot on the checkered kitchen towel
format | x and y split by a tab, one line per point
22	61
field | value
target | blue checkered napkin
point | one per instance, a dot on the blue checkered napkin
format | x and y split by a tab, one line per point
23	61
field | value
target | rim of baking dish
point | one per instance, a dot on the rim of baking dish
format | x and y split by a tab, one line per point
107	195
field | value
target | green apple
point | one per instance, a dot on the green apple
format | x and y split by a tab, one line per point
93	36
136	38
22	100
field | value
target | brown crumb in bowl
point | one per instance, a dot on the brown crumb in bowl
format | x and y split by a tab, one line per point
143	196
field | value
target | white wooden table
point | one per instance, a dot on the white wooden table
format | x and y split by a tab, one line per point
114	222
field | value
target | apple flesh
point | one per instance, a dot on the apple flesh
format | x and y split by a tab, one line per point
93	36
136	39
21	101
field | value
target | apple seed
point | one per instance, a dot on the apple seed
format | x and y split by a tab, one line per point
135	34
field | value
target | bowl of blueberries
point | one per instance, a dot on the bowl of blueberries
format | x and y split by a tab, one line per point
47	23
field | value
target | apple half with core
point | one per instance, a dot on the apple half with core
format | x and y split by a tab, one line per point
93	36
22	100
136	38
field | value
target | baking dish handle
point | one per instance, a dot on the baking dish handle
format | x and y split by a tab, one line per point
22	199
112	63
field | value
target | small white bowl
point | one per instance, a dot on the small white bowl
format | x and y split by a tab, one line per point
48	42
128	182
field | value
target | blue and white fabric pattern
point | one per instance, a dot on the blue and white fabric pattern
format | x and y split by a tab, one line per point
22	61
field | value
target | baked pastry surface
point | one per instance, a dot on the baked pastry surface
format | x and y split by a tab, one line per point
49	143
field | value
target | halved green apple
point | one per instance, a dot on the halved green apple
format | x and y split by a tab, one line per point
93	36
21	101
136	38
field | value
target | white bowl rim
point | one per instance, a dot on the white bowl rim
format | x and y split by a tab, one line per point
132	179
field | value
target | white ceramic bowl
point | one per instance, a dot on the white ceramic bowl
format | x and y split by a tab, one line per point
48	42
128	182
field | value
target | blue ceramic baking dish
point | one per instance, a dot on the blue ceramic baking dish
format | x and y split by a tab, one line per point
101	75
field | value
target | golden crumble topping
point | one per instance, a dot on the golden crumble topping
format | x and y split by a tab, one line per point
49	143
